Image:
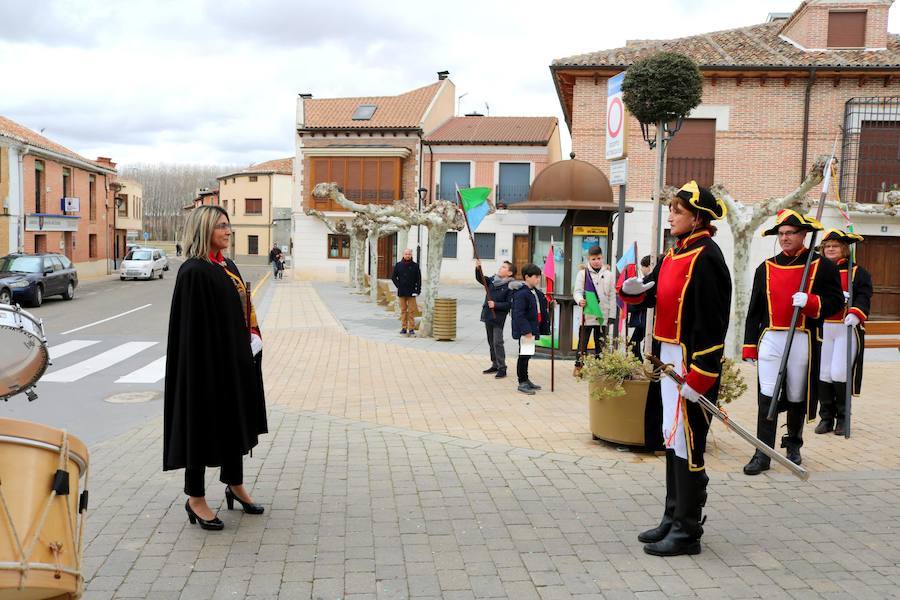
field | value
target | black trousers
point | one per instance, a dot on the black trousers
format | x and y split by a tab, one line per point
232	473
496	345
522	368
637	338
584	336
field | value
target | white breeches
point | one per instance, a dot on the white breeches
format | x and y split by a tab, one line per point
833	365
771	349
673	413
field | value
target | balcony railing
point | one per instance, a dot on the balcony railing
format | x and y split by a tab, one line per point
506	194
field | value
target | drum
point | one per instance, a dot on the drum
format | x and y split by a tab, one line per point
23	351
42	514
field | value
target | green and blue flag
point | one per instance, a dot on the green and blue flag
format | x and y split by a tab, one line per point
475	202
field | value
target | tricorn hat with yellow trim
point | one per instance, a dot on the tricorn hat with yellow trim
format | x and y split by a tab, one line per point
847	237
790	217
702	199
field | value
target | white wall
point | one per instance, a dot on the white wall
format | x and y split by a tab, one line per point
14	201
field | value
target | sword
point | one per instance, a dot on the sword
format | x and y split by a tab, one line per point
710	407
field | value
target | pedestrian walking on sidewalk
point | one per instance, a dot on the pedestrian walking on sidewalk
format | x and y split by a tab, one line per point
497	302
691	292
273	259
530	320
214	402
408	279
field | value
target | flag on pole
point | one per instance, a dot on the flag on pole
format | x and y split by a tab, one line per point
475	202
591	299
628	258
549	271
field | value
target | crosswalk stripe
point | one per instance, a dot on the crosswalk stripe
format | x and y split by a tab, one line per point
69	347
97	363
148	374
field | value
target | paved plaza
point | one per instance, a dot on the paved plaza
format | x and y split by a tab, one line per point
395	469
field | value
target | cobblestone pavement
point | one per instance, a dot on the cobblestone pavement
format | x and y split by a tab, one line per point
392	472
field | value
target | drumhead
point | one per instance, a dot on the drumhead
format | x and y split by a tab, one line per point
23	351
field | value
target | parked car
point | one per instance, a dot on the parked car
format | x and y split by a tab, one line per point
33	277
143	263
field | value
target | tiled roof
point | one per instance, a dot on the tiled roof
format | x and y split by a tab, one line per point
281	166
393	112
494	130
753	46
20	133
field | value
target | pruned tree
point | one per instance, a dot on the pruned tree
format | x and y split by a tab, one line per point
745	219
439	217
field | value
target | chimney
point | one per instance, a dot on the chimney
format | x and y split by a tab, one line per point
442	75
106	162
306	96
474	114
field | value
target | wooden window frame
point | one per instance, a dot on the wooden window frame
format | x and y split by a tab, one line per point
92	245
92	198
395	191
253	178
340	247
39	178
247	207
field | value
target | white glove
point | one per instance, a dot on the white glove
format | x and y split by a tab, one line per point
846	296
255	344
851	320
800	299
635	287
689	393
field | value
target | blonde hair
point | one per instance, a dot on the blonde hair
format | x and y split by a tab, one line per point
198	231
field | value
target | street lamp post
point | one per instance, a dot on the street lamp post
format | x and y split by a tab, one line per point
421	193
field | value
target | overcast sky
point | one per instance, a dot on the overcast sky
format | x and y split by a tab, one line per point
199	81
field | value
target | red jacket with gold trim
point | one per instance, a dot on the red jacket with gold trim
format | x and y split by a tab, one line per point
775	282
692	297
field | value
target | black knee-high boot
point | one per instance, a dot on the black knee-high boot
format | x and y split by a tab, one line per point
793	441
660	531
765	431
827	408
684	534
840	392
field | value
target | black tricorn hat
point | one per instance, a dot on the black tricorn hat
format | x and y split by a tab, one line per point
847	237
787	216
702	199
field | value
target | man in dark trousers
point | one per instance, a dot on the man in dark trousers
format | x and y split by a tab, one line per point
408	279
273	259
773	298
497	303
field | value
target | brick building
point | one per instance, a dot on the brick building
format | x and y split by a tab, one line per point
775	96
128	217
54	200
411	147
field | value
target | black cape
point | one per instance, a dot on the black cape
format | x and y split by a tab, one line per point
214	401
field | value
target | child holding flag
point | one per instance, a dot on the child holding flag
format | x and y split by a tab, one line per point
530	320
596	297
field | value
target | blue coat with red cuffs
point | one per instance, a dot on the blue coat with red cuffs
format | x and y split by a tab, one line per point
692	300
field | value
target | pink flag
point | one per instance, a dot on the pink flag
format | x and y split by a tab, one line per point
549	271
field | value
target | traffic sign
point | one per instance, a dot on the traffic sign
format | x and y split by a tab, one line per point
618	172
616	119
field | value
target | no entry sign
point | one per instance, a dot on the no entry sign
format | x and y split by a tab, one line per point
616	120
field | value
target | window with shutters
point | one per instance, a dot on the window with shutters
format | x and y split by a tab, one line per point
692	153
92	245
92	198
252	244
365	180
254	178
450	245
38	185
485	245
847	29
338	246
253	206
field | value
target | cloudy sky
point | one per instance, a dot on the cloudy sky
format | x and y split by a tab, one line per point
199	81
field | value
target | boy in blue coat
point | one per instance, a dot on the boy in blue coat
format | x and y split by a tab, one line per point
530	320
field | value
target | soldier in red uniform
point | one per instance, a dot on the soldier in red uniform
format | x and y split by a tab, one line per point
833	365
775	293
691	290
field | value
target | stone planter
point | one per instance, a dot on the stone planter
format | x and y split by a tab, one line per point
621	419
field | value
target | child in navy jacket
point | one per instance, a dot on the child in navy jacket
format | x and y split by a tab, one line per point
530	320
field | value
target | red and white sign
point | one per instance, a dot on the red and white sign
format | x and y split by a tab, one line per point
616	120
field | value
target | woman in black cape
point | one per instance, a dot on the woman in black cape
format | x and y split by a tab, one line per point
214	401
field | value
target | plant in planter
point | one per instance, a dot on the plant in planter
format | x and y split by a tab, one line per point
610	369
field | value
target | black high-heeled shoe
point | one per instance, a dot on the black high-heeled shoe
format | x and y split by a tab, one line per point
213	524
249	507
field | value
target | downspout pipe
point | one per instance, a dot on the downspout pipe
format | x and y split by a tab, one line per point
419	198
806	102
